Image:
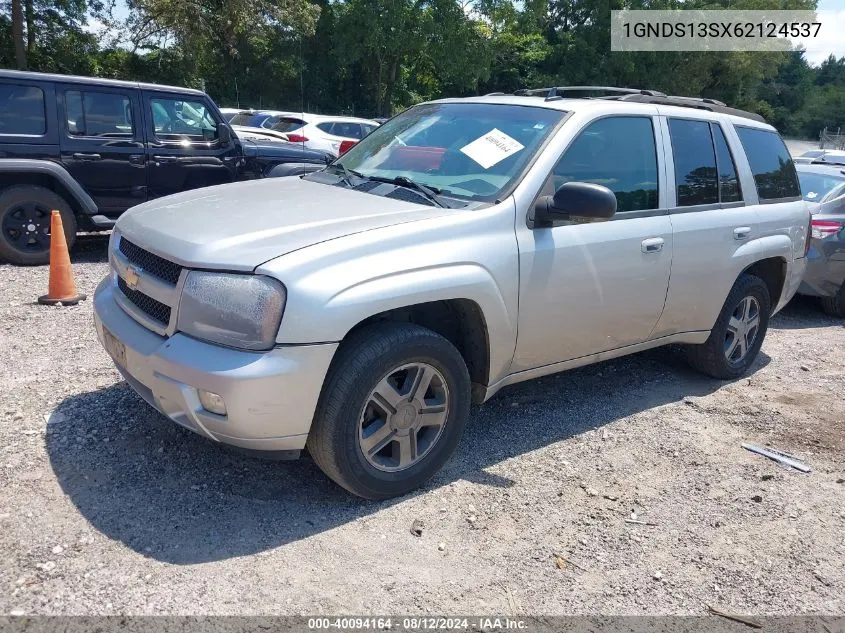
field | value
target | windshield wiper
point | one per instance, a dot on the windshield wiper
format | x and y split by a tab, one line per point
347	174
403	181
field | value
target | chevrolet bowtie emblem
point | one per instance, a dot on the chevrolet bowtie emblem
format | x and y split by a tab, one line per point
131	277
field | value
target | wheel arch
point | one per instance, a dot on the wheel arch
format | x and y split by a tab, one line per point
49	175
772	270
460	321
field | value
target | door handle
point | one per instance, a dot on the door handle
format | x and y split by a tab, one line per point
158	160
652	245
85	156
742	232
136	159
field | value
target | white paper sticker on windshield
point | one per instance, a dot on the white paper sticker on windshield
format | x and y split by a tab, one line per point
812	195
492	148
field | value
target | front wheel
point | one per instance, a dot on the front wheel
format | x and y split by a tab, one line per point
738	334
392	411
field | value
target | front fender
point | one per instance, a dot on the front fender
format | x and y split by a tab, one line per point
334	286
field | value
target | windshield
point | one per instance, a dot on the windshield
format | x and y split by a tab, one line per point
465	150
818	187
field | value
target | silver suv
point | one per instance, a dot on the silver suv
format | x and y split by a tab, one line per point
465	245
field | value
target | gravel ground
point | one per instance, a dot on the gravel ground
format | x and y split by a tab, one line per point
107	507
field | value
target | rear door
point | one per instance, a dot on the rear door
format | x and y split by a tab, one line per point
714	221
183	149
101	144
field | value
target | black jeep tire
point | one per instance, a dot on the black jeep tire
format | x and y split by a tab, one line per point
835	305
25	206
400	357
715	357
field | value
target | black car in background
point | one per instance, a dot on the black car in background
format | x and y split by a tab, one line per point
91	148
823	186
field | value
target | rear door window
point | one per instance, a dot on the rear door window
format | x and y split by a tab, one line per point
695	162
771	164
98	114
729	189
22	110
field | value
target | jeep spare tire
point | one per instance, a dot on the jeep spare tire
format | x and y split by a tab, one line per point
25	223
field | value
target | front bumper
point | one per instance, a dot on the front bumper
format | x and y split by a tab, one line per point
270	396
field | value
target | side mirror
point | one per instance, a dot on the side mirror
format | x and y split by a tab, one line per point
224	133
576	199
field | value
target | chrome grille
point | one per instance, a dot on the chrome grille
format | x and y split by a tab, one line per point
150	262
149	306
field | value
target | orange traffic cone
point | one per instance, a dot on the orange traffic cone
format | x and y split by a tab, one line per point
62	288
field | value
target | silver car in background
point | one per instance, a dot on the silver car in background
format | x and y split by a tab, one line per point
464	245
823	186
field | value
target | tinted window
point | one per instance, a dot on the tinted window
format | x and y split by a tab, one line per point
288	125
326	127
770	163
101	114
618	153
695	162
177	120
22	110
368	128
729	190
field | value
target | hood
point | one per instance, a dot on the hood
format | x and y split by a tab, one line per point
282	151
242	225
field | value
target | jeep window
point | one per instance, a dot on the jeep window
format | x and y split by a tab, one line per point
179	120
729	189
99	114
774	172
466	150
695	162
618	153
22	110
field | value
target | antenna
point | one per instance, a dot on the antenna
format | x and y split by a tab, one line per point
301	87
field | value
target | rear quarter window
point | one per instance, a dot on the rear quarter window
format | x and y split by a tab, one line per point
772	167
22	110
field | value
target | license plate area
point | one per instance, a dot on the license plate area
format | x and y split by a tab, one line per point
114	347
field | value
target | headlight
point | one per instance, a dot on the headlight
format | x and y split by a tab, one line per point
236	310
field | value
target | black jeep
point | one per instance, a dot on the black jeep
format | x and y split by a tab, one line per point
92	148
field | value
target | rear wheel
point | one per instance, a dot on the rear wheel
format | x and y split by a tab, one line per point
835	305
738	334
392	411
25	223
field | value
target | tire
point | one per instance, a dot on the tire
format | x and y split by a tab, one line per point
711	357
835	305
30	205
349	414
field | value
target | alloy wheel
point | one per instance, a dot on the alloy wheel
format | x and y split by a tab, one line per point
742	329
403	417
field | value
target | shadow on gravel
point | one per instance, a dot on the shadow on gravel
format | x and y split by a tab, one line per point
178	498
90	248
802	313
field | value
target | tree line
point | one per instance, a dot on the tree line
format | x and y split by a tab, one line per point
376	57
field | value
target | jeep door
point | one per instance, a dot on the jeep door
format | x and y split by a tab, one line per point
102	145
589	287
183	149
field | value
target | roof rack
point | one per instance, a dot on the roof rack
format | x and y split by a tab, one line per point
632	94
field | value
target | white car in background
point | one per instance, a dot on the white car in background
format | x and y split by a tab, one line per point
325	133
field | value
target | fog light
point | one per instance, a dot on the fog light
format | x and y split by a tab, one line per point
212	402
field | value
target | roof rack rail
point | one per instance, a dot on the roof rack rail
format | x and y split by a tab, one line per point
631	94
